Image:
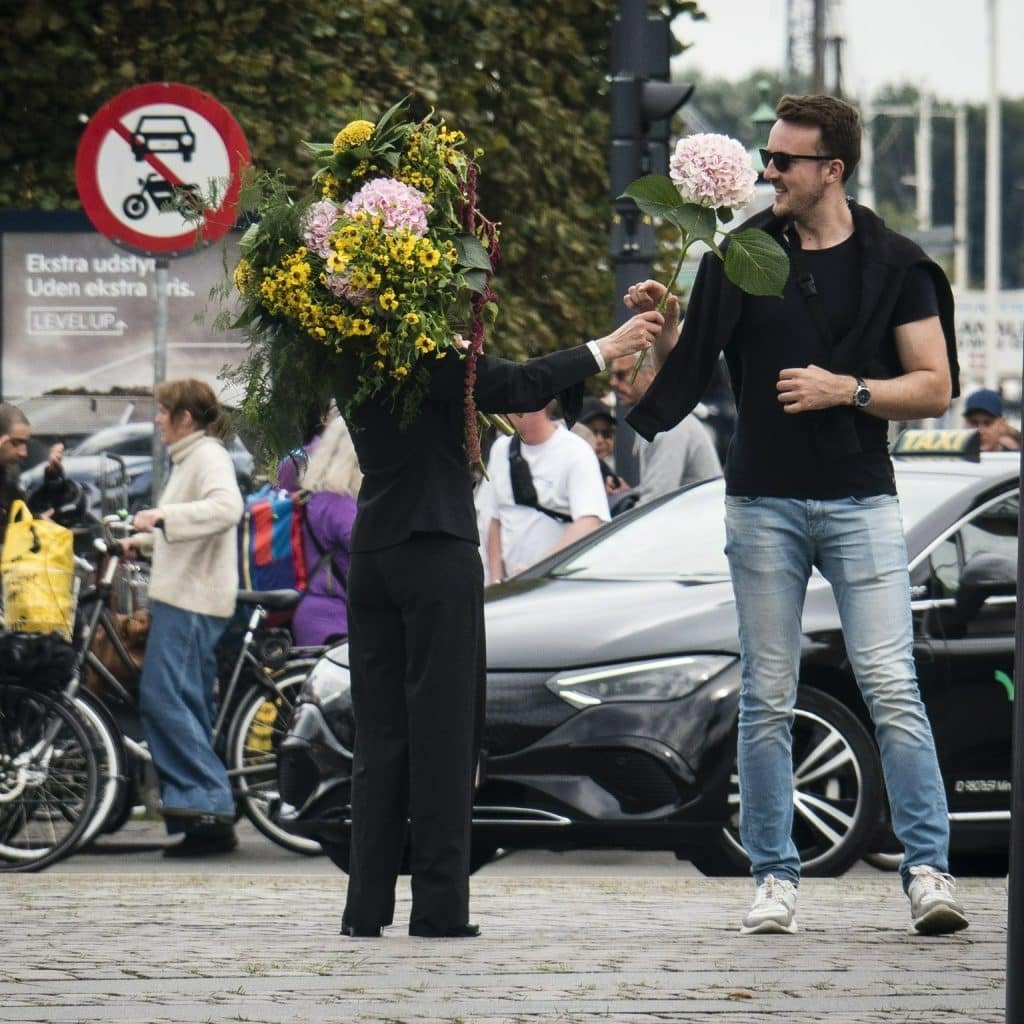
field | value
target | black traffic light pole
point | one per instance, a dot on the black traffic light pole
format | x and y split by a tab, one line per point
643	101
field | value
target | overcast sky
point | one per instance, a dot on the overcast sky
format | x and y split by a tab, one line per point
942	44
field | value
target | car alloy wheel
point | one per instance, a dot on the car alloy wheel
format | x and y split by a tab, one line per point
837	796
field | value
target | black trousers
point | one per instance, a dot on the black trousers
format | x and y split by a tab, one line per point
416	644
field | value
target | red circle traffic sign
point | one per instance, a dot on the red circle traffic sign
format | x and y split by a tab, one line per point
143	145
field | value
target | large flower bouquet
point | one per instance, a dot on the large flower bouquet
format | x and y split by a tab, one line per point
351	289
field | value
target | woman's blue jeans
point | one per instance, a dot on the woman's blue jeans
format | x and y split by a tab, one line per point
858	545
176	704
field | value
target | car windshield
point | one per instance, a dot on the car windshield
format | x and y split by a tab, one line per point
683	538
116	440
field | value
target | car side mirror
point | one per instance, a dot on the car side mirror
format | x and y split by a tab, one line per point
984	576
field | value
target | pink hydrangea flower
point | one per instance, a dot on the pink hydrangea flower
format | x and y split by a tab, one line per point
713	171
317	224
400	205
338	285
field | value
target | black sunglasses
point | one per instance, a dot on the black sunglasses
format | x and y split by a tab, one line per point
783	161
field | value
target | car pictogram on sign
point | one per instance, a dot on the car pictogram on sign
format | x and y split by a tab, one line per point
163	133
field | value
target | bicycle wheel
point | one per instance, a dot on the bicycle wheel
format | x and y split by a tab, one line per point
257	727
108	744
48	778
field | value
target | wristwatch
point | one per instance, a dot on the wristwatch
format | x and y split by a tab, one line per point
862	395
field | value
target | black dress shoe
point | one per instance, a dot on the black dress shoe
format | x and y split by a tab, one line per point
198	844
353	932
459	931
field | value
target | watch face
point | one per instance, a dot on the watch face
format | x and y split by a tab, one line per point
862	396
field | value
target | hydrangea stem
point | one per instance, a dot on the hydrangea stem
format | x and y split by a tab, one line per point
662	304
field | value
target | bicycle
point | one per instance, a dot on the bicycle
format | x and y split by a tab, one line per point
265	677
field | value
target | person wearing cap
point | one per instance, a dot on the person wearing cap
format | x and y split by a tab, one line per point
983	410
600	423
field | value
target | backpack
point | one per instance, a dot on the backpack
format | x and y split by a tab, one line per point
270	551
37	565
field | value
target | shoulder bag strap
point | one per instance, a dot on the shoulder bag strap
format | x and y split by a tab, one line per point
523	491
326	556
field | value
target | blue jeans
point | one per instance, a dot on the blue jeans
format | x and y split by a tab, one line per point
176	704
858	545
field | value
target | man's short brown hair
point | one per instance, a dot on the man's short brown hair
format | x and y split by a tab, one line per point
838	121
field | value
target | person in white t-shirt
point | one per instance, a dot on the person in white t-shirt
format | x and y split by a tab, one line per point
569	499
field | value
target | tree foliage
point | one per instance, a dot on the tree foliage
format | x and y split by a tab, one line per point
526	81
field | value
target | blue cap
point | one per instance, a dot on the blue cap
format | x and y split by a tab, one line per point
984	400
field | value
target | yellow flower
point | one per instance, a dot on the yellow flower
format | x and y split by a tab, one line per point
425	344
387	300
411	318
245	276
429	256
355	133
400	371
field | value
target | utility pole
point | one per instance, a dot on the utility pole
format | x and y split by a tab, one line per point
960	274
818	33
993	199
923	160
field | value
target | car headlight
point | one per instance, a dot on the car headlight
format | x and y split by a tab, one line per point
660	679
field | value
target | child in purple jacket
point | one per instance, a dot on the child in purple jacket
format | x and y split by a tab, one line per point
332	478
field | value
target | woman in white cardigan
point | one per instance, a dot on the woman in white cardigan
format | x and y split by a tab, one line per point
192	538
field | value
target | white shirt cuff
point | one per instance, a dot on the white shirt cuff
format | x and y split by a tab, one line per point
596	352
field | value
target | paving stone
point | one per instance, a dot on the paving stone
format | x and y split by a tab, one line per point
191	949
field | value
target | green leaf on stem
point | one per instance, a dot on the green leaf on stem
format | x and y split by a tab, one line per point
698	223
476	280
472	253
654	194
756	263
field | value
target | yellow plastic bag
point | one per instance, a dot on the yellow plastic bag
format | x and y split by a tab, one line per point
37	565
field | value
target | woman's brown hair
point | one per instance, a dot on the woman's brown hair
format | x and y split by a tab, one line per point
194	397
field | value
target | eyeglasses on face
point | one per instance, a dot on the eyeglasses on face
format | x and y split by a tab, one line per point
783	161
620	374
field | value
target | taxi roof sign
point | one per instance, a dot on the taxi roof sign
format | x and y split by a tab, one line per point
961	444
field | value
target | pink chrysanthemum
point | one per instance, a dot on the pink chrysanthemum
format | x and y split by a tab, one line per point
317	224
400	205
713	171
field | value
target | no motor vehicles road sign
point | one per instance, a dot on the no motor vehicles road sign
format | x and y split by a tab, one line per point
145	145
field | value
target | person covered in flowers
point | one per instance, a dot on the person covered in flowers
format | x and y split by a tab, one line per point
191	536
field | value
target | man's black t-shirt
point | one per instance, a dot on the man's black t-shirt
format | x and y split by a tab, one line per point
775	453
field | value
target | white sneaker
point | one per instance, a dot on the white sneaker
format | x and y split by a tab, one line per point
934	909
773	909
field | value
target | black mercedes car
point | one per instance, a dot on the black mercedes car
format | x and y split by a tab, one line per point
613	680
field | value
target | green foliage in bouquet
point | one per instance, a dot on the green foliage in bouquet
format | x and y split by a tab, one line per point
351	288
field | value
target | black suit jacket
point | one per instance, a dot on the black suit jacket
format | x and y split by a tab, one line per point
417	480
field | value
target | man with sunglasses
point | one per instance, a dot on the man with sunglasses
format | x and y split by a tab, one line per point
862	334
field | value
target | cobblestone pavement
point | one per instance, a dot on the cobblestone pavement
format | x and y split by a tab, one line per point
197	948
